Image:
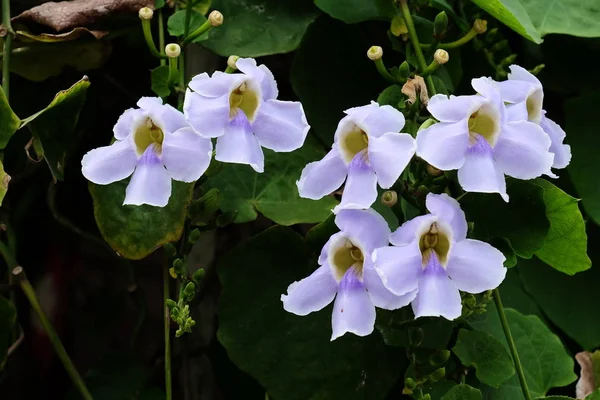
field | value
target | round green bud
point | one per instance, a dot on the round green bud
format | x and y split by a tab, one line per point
146	13
426	397
171	304
439	357
389	198
215	18
170	250
194	235
179	266
190	288
441	56
375	53
231	62
437	374
172	50
410	383
440	25
198	276
404	70
480	26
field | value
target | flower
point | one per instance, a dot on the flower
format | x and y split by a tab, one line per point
475	137
525	95
368	150
243	112
346	270
432	254
155	144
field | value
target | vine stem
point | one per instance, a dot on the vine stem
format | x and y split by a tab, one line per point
168	388
161	36
414	38
7	46
29	292
511	345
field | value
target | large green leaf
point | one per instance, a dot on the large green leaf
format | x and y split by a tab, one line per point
55	125
136	231
572	310
395	328
492	362
292	356
584	140
4	179
565	248
272	193
462	392
176	24
9	122
543	356
352	11
332	73
522	221
513	14
8	318
255	28
571	17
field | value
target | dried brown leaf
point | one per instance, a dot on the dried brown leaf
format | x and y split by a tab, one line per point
76	13
416	87
590	373
73	34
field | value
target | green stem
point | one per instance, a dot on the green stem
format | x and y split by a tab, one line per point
173	71
511	345
383	71
457	43
161	37
430	68
205	27
168	388
147	29
54	339
414	38
7	47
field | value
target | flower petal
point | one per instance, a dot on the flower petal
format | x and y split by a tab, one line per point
353	310
380	296
412	230
325	250
269	86
399	267
389	154
438	295
311	293
448	209
168	118
480	172
520	73
260	74
475	266
109	164
248	67
453	109
127	123
378	120
150	183
444	145
522	150
186	155
209	116
488	88
218	85
515	91
562	152
239	145
319	178
365	228
148	103
361	185
281	125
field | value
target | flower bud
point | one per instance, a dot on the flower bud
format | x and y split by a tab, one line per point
537	69
499	46
440	25
437	374
172	273
410	383
426	397
194	236
172	50
433	171
375	53
231	62
441	56
170	250
215	18
506	61
171	304
190	288
480	26
146	13
179	266
439	357
389	198
198	276
404	70
398	26
428	122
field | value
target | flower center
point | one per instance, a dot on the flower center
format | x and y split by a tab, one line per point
245	99
534	106
353	142
434	241
146	134
485	122
345	257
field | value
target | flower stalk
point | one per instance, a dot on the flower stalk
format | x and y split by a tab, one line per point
167	317
29	292
479	27
8	38
215	18
375	54
146	15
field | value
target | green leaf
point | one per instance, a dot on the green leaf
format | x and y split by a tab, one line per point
556	398
8	318
572	311
9	122
176	24
322	79
565	248
492	362
353	11
543	356
594	396
255	28
4	180
570	17
513	14
290	355
136	231
272	193
55	125
514	295
160	81
391	96
463	392
522	221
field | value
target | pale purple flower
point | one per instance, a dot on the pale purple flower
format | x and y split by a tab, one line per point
525	95
368	149
155	144
243	112
431	254
346	269
475	137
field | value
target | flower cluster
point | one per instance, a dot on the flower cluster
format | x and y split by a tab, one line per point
156	143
